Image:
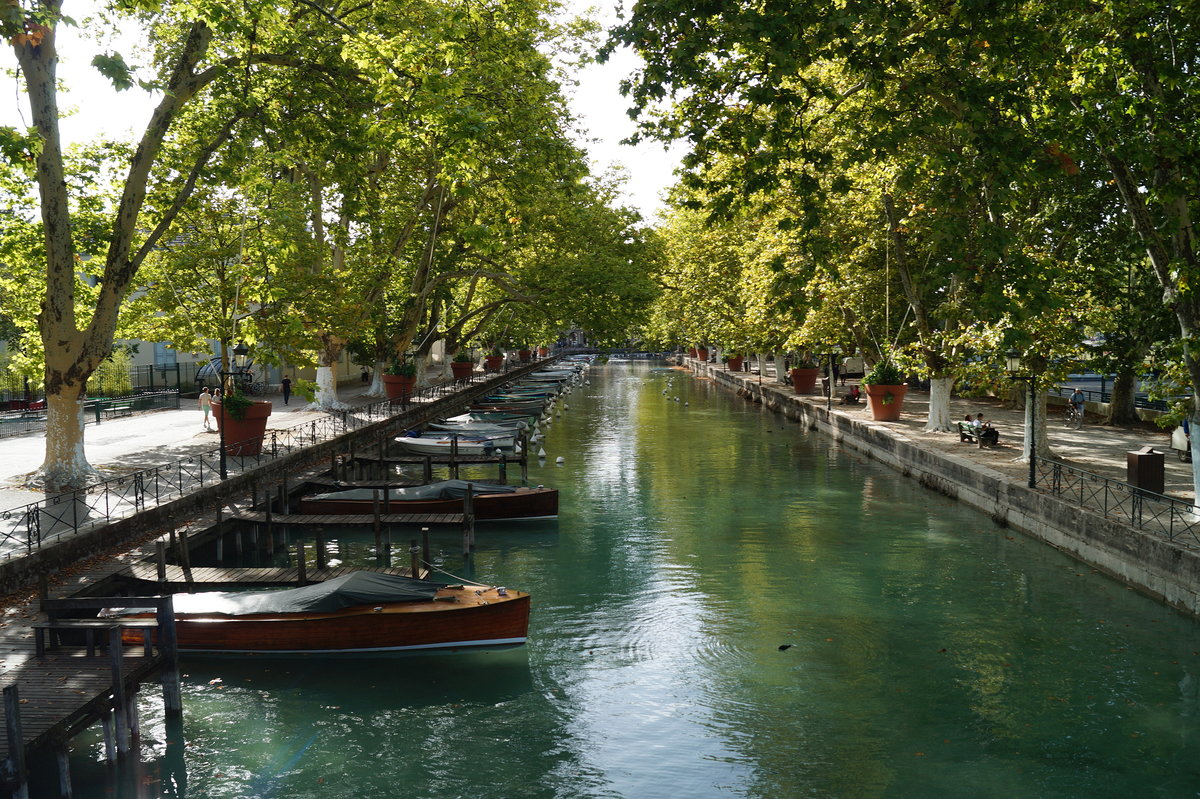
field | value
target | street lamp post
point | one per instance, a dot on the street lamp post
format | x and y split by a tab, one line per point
1015	365
239	366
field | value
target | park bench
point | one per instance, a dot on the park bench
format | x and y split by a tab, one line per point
969	433
118	409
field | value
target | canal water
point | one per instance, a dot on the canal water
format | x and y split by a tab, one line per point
729	605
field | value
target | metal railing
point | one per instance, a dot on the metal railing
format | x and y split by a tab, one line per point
1092	395
1157	514
95	410
28	528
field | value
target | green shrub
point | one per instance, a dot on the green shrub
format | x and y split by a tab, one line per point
884	373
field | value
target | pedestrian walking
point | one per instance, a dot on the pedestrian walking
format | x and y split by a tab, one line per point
366	376
206	405
287	389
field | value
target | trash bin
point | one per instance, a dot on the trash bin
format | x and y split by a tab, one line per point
1146	469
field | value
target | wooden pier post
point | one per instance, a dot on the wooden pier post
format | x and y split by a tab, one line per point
185	559
110	746
503	469
285	496
168	647
116	657
301	564
425	545
160	558
414	558
454	458
62	757
469	516
387	546
321	555
377	524
525	463
427	469
14	766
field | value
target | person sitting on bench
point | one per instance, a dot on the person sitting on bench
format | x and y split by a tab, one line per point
852	396
987	434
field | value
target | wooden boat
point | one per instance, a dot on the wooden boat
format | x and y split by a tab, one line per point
481	428
445	446
358	613
521	421
491	502
501	439
532	408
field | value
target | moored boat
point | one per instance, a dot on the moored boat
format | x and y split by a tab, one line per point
445	446
491	502
358	613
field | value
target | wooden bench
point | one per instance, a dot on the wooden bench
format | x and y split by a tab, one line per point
89	627
119	409
969	433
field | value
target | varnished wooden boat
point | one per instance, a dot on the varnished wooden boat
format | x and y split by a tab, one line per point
492	502
360	613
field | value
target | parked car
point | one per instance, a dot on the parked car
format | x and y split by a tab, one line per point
852	366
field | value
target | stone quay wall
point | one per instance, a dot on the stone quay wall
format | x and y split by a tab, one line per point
1150	564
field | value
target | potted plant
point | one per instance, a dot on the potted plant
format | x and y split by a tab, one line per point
804	376
733	362
702	353
243	422
462	365
543	352
525	354
399	379
494	360
885	389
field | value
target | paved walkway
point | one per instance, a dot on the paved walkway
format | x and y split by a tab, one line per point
1096	447
142	441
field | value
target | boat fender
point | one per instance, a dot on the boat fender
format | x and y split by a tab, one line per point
501	591
561	459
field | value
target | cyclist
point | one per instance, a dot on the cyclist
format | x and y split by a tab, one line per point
1075	406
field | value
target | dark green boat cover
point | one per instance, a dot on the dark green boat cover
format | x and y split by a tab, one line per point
446	489
356	588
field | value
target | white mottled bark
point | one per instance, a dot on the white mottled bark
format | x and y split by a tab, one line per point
66	465
939	420
326	399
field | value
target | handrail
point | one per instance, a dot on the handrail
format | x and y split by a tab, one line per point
1158	514
28	528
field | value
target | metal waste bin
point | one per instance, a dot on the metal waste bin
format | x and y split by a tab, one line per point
1146	469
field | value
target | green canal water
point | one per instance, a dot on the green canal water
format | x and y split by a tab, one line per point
729	605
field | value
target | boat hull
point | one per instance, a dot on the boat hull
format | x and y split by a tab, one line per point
524	503
434	446
457	618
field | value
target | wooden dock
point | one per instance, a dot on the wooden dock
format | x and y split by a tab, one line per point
328	520
219	579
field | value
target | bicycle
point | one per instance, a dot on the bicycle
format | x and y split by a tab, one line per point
1074	417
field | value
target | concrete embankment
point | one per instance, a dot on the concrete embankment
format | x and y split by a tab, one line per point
1154	565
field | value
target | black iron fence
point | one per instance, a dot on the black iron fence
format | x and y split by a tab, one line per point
21	392
96	410
39	524
1157	514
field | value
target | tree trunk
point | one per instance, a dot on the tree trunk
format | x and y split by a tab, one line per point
939	420
66	466
781	375
327	361
377	389
1038	409
1121	409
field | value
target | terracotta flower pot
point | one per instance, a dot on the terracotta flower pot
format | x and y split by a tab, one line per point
692	352
886	401
734	364
525	355
461	369
243	436
702	353
493	362
804	380
399	386
543	352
